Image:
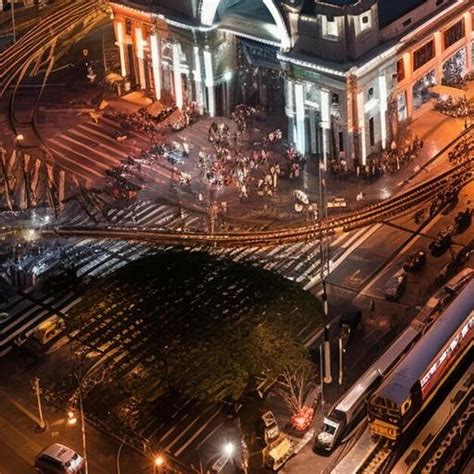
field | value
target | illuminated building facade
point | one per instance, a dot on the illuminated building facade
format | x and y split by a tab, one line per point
344	73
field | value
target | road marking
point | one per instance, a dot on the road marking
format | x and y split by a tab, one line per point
168	448
196	434
366	233
210	434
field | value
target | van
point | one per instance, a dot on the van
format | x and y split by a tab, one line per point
59	459
49	329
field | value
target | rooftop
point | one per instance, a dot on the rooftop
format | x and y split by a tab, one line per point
390	10
399	383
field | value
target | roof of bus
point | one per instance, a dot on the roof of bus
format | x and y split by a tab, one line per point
399	383
378	368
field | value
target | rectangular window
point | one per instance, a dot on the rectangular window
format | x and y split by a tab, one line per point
454	34
423	55
329	27
400	70
372	131
365	21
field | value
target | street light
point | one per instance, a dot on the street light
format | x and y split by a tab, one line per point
71	417
229	449
158	462
227	455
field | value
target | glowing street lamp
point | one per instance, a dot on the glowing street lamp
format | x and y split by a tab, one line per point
71	418
229	449
158	462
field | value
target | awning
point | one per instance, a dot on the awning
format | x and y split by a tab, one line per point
446	90
111	78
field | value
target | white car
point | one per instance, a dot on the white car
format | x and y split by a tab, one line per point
59	459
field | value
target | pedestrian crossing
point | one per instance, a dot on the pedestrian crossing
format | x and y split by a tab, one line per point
193	424
297	262
89	149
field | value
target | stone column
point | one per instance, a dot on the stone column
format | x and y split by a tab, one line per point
408	67
312	126
118	24
198	79
438	41
139	48
300	119
383	108
209	74
178	83
361	123
155	48
469	39
325	124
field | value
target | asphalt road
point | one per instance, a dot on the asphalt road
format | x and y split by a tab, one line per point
11	462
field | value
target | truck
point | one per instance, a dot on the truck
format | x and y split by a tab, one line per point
278	447
277	453
344	417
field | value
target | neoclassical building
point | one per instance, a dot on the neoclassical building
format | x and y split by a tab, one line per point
341	73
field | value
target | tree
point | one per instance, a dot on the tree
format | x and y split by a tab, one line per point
221	368
297	389
293	387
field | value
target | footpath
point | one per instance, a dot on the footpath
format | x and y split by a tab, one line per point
18	424
431	126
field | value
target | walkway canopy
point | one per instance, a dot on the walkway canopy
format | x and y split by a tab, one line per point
450	91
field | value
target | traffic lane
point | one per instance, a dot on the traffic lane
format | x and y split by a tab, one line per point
366	260
11	462
421	282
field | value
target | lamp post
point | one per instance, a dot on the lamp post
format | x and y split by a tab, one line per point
12	3
36	387
83	432
227	455
324	266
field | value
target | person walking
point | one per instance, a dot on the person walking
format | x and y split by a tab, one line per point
372	307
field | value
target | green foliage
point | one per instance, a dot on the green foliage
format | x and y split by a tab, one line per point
211	325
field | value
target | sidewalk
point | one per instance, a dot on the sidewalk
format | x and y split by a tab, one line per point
435	129
17	422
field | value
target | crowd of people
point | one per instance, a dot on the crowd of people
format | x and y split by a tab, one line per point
229	164
392	159
457	107
242	116
142	120
387	161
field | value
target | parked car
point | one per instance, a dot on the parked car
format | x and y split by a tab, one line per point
453	266
49	329
231	408
396	286
415	261
441	242
462	221
267	427
59	459
348	324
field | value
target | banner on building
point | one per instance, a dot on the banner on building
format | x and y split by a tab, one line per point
260	55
